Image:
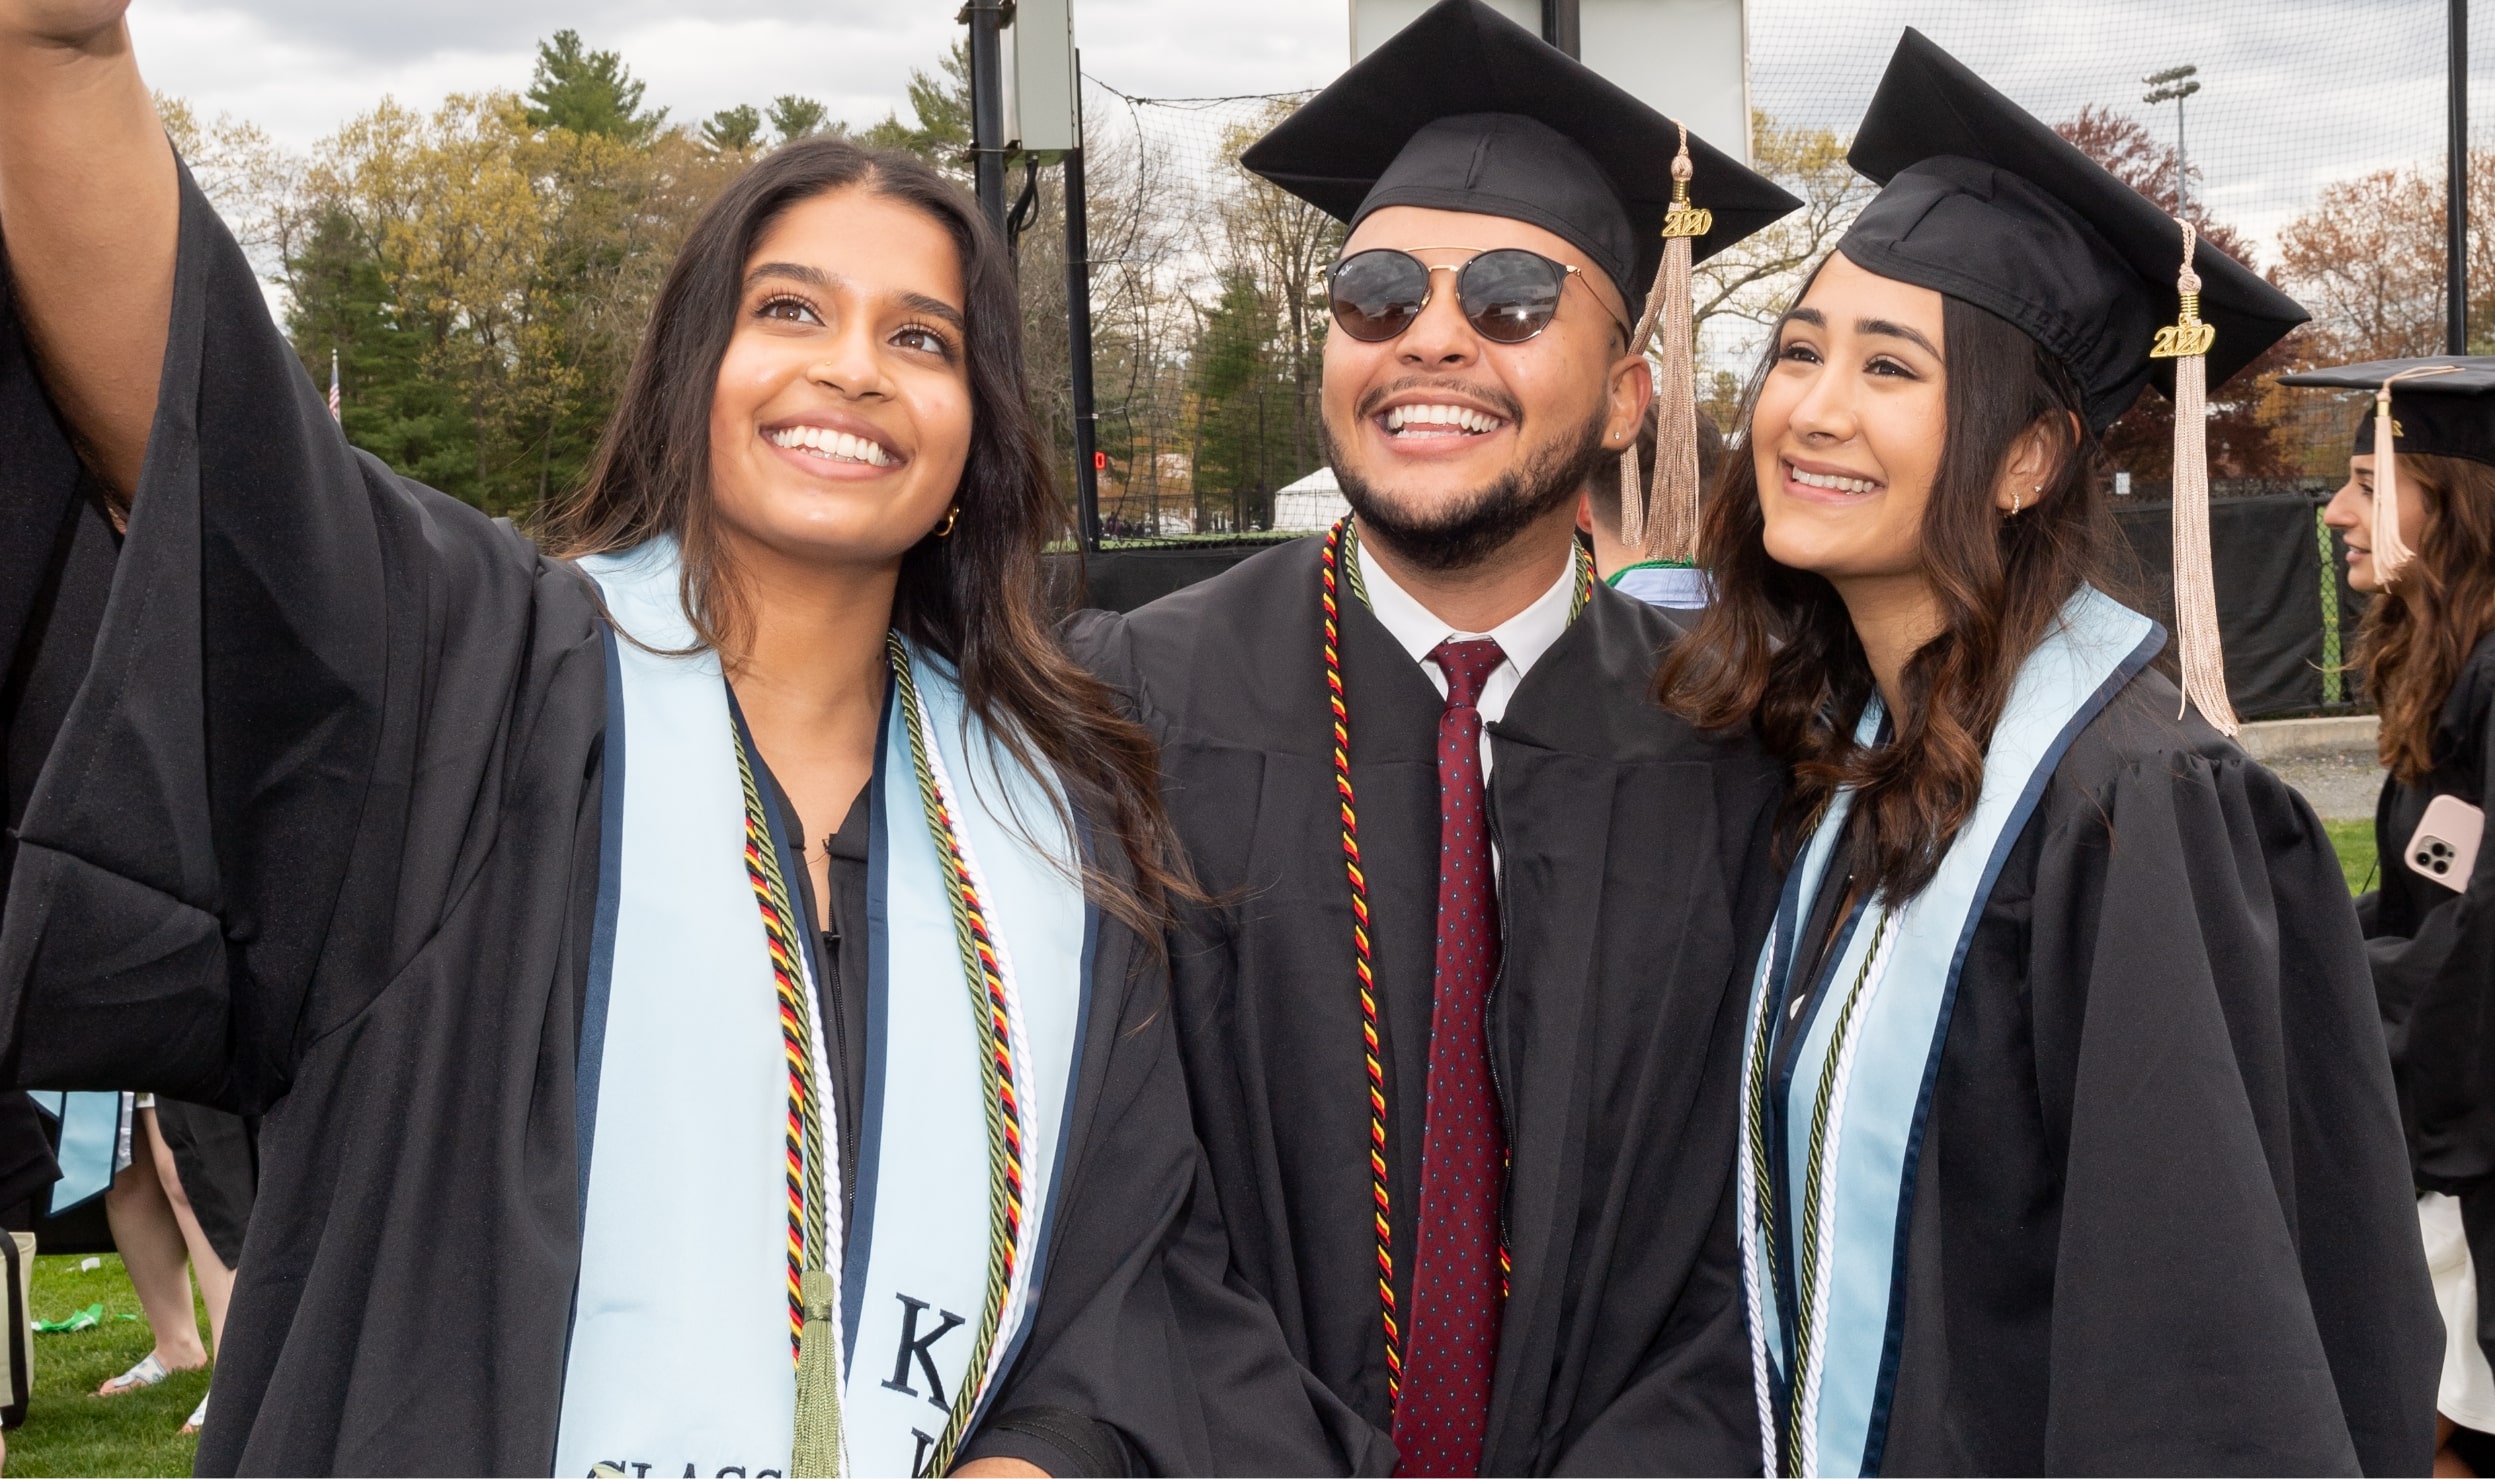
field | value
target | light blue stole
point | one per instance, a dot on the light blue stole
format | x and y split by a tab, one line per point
1861	1087
95	1142
680	1352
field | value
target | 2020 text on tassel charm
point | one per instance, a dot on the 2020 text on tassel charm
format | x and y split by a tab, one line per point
1667	526
2186	341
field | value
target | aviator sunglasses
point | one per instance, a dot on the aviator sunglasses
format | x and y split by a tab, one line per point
1508	295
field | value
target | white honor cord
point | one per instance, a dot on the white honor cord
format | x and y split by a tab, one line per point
1026	1095
1746	1179
1807	1383
828	1103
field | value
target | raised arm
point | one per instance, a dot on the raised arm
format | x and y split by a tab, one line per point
89	210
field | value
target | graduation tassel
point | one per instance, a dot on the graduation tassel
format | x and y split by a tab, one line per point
2203	663
818	1446
1667	526
2390	550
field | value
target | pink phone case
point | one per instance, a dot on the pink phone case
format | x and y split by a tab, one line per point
2445	847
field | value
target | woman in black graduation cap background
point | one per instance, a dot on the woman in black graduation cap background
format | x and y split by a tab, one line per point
697	976
2417	515
2069	1140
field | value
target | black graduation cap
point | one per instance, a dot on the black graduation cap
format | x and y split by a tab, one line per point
2443	407
1465	110
2442	412
1987	204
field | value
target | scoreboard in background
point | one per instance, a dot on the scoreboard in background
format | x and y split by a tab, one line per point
1688	59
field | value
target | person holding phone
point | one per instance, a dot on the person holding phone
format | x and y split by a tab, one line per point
2417	515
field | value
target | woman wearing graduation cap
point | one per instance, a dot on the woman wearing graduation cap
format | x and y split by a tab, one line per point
2069	1142
2418	516
697	970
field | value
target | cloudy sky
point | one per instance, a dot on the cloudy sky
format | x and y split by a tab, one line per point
2297	92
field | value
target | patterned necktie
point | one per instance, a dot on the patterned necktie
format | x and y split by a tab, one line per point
1454	1334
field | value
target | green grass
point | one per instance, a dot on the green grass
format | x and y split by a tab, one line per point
69	1429
2355	841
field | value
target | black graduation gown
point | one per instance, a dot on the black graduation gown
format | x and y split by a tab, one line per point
2161	1223
2433	953
319	841
1635	883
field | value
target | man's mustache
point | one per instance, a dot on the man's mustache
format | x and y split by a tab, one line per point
1497	400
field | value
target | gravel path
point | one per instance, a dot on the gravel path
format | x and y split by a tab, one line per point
2340	787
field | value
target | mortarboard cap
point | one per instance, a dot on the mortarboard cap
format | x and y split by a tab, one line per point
1466	110
2443	412
1984	202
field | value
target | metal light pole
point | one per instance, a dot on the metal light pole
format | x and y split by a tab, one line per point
2174	84
2456	191
986	19
1079	332
1559	24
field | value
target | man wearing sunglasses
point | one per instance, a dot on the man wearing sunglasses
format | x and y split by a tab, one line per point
1463	1021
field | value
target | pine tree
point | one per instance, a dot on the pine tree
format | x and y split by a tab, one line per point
390	405
940	108
793	117
588	92
733	130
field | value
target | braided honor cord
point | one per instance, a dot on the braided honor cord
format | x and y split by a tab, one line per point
812	1341
992	1007
1338	572
1331	563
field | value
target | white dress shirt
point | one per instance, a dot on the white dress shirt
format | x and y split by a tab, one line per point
1522	638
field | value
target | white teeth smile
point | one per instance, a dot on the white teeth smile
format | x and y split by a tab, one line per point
835	446
1442	420
1829	481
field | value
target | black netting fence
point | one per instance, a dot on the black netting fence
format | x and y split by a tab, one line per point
2314	149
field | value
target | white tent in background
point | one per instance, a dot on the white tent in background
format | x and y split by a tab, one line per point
1310	505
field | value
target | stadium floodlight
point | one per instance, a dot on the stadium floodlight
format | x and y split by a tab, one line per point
1688	59
2173	85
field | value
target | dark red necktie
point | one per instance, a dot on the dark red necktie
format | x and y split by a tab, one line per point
1452	1341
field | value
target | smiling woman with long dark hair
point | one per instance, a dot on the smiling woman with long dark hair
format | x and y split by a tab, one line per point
697	969
2069	1144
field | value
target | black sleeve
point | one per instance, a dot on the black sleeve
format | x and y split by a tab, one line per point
277	762
2437	993
1148	1353
2239	1286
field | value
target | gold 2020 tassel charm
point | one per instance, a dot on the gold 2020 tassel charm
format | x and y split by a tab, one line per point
818	1449
1667	526
2202	660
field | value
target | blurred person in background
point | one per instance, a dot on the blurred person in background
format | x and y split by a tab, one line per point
1660	581
2420	539
177	1212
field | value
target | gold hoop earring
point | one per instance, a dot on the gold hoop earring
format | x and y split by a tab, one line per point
946	528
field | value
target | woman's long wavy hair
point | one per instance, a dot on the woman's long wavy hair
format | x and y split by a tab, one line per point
978	597
2418	634
1777	651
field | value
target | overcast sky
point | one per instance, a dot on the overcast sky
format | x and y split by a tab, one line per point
2298	92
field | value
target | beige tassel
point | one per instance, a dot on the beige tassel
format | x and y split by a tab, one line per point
1666	526
2195	588
2391	552
818	1448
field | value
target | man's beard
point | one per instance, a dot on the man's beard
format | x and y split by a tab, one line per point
1463	531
